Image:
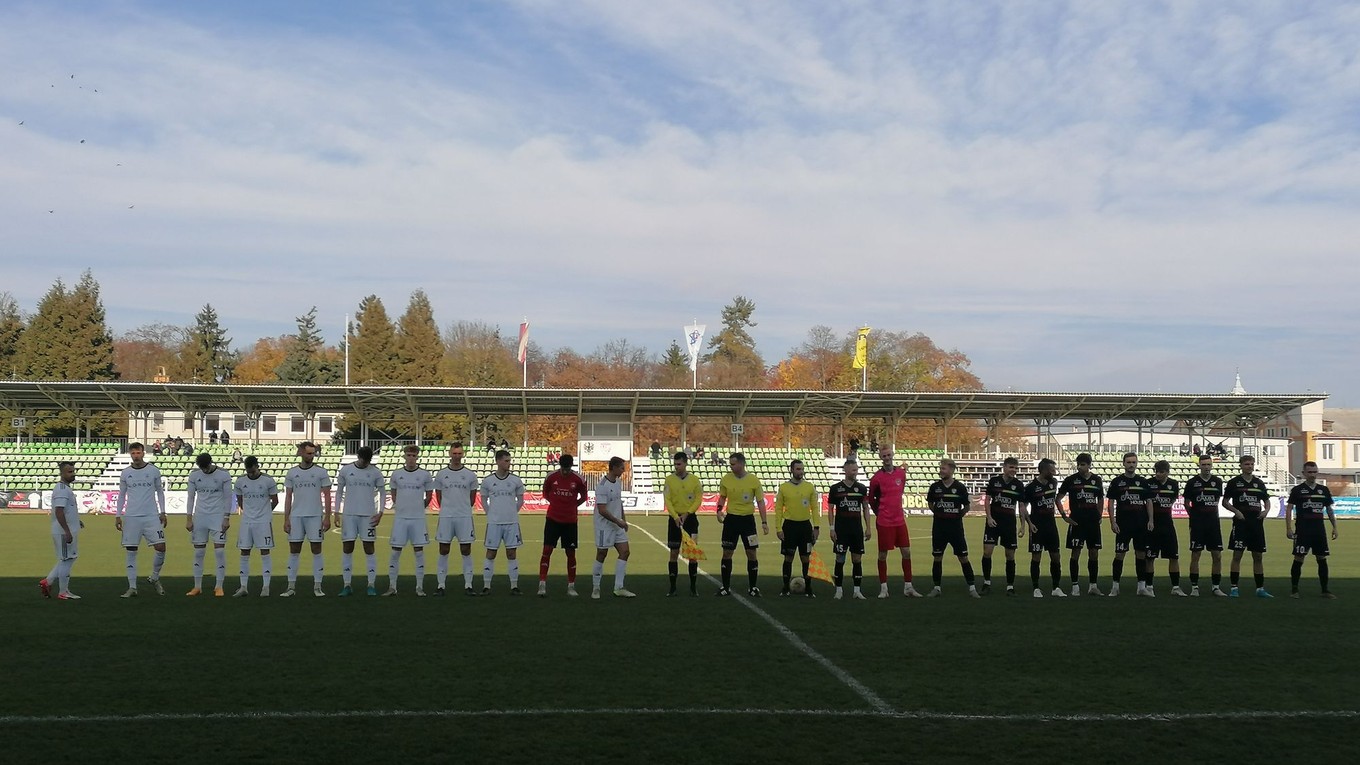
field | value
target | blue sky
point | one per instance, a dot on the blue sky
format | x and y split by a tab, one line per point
1044	186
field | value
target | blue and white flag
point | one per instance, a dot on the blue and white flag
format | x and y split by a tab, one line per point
694	340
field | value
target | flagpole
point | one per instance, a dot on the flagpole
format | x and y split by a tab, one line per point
524	363
346	349
696	363
864	370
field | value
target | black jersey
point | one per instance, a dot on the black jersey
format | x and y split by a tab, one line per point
1164	495
1202	495
1311	502
1248	495
1086	493
843	500
1004	495
947	502
1130	493
1041	496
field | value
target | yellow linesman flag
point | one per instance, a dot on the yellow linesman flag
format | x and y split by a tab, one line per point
690	549
862	348
817	568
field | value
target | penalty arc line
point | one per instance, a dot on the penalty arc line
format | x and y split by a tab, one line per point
925	716
862	690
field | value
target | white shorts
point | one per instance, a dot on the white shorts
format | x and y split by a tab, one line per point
410	531
255	536
65	550
451	529
503	534
139	527
607	535
208	530
305	529
359	527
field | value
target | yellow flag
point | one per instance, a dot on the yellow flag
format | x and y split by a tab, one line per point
817	568
690	549
862	348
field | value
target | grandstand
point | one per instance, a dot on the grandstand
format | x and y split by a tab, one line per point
33	467
530	464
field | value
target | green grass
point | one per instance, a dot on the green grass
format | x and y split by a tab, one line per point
996	656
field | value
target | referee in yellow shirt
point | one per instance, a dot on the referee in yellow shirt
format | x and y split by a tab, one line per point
683	494
798	519
740	493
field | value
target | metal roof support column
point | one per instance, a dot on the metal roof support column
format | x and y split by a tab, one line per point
420	428
788	433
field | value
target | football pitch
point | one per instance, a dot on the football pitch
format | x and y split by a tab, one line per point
706	679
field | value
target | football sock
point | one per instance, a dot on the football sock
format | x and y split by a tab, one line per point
788	572
620	568
752	572
487	572
64	574
1092	571
1295	571
318	569
1234	577
883	572
1034	573
968	572
467	570
441	570
346	567
1117	572
806	563
393	565
837	572
221	553
543	563
596	574
420	569
513	565
245	571
693	576
54	573
1194	578
936	572
1148	571
157	561
673	571
371	560
857	572
1260	581
906	570
1055	571
987	569
571	566
132	569
199	554
726	573
293	567
1216	579
266	567
1175	577
1073	569
1323	573
1010	573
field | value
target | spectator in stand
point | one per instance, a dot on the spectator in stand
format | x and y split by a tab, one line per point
156	447
490	444
1197	451
212	437
505	445
854	449
225	438
698	452
236	456
656	450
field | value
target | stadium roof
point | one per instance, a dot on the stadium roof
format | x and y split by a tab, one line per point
86	398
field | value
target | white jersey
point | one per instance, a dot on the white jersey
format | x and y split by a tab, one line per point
457	486
64	502
307	486
502	497
410	487
209	492
141	491
255	494
360	488
610	494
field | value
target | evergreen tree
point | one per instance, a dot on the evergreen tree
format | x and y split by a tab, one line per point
11	331
372	345
732	345
206	354
303	364
419	348
67	338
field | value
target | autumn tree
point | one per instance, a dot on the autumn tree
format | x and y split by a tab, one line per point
142	352
259	362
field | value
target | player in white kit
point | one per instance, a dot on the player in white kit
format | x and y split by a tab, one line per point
306	515
412	488
611	530
502	498
66	526
359	493
257	494
207	502
455	488
140	514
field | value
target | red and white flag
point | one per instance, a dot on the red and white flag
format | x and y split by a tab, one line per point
523	341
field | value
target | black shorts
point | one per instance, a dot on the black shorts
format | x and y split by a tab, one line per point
557	531
1003	534
1044	538
1086	531
1310	539
1248	534
1162	540
1133	533
673	537
1206	533
739	528
849	536
797	538
945	534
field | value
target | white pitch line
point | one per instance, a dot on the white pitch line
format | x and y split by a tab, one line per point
905	715
864	691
